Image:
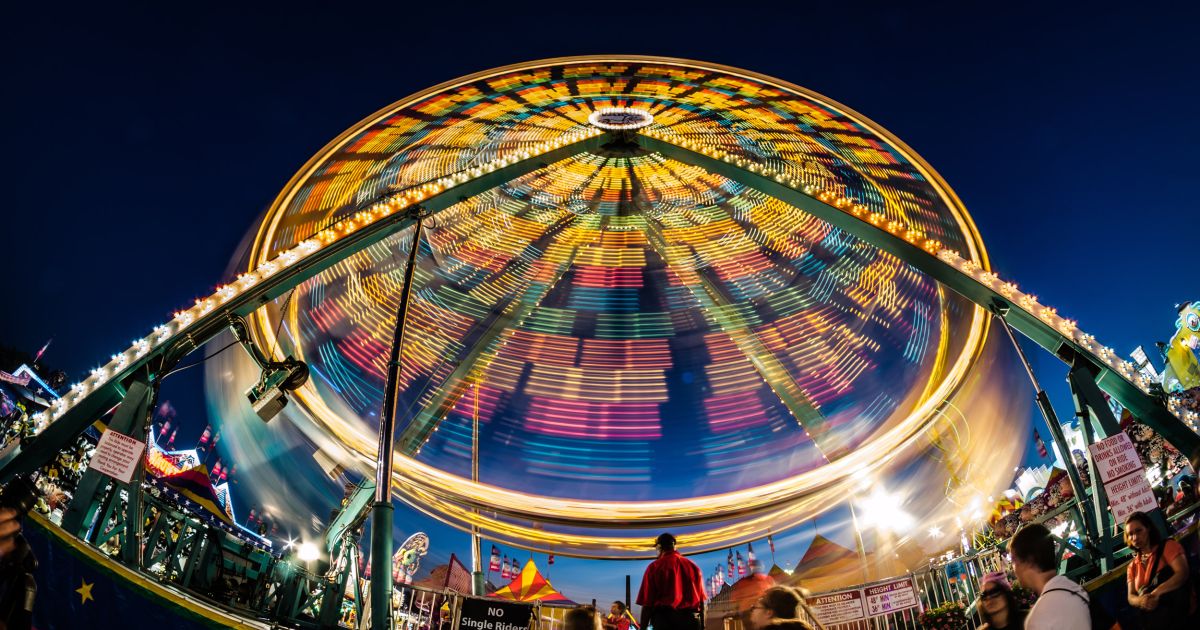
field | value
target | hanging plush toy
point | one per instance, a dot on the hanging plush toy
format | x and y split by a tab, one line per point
1183	370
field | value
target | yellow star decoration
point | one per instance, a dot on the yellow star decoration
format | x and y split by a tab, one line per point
85	592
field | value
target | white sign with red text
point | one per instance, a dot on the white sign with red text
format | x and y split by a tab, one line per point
890	597
117	456
1129	494
1115	457
1120	469
838	607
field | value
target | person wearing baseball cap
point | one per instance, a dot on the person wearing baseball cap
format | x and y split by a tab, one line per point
672	591
998	607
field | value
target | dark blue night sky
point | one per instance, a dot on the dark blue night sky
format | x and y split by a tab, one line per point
143	142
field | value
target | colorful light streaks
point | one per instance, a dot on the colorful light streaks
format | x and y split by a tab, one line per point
526	280
769	332
694	312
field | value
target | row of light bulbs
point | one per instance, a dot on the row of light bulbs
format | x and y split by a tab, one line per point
1192	418
1026	301
185	319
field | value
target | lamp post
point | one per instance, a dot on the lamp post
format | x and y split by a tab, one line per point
477	584
381	508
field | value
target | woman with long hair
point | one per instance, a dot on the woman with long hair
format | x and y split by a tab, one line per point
782	608
998	607
1157	575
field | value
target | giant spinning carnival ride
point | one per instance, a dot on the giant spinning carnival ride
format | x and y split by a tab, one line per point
592	298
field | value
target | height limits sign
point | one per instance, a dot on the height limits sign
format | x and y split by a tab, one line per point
1124	478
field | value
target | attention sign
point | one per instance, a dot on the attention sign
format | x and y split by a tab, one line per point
117	456
838	607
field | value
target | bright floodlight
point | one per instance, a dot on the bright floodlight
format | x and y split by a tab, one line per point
883	510
307	552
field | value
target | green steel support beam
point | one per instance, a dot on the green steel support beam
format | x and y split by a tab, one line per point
195	552
1090	530
129	419
350	516
346	556
1148	408
101	533
88	405
1090	405
160	531
190	538
1099	503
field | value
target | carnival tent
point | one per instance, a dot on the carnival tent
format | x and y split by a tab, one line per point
453	576
736	599
746	591
827	565
195	486
529	586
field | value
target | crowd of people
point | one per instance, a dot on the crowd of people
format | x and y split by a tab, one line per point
1161	589
1161	592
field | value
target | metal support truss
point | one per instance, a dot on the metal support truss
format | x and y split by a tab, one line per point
129	419
154	356
1148	408
163	353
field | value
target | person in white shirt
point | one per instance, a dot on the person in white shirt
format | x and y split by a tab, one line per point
1062	604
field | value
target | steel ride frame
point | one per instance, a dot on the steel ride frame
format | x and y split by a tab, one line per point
129	380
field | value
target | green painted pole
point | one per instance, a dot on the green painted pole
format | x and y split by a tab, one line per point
1095	417
381	572
129	419
381	509
1056	432
1099	500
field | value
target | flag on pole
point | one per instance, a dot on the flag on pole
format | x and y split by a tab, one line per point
494	563
38	357
550	560
505	571
1041	446
771	541
729	561
165	427
751	560
741	565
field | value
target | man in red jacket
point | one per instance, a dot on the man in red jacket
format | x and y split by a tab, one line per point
672	592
